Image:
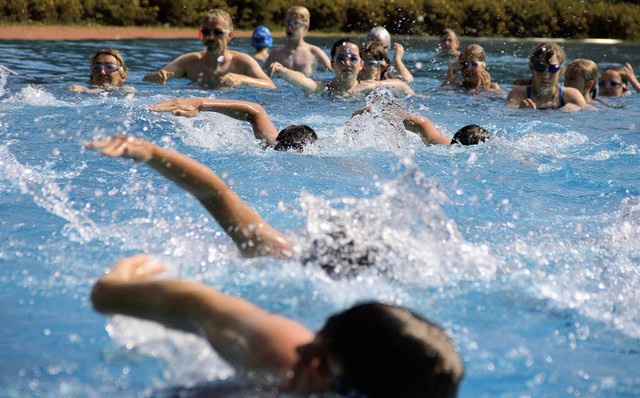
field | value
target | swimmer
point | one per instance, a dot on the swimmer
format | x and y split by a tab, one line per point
615	81
472	66
369	350
216	66
347	64
449	44
108	71
545	91
294	137
468	135
297	54
261	41
582	74
380	36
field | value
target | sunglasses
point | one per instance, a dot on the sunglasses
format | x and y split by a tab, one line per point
343	59
108	67
611	83
216	32
553	69
473	64
375	63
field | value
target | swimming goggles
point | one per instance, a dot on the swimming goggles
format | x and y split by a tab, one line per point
343	59
473	64
553	69
216	32
108	67
296	24
611	83
375	63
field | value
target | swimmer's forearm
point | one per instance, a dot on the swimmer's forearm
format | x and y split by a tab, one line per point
298	79
246	111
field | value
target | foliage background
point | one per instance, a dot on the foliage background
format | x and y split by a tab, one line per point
486	18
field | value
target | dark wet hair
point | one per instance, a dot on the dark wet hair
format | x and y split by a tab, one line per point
470	134
389	351
343	42
339	255
295	137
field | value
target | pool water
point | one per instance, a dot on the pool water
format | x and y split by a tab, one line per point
526	248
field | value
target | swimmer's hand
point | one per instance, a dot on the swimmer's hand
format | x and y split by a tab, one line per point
232	80
136	268
275	69
77	88
528	103
125	147
160	76
399	51
179	106
360	111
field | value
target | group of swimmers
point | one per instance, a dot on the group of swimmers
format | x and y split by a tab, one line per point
370	350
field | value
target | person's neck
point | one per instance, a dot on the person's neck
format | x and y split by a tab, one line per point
294	42
344	83
216	56
544	92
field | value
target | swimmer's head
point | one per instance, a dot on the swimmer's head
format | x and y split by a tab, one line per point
380	35
218	14
389	351
101	75
261	37
295	138
614	82
343	42
471	134
339	255
543	53
582	74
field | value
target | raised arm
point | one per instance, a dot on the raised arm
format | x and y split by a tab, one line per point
250	112
632	77
426	129
243	334
397	60
252	235
298	79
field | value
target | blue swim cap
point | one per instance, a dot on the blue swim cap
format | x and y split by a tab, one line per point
261	37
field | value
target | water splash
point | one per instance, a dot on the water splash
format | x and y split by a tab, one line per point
47	195
404	228
35	96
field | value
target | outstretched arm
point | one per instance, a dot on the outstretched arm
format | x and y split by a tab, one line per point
298	79
242	333
426	129
251	233
397	60
250	112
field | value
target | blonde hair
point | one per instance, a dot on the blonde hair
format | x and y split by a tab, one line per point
474	51
589	71
218	14
124	70
299	12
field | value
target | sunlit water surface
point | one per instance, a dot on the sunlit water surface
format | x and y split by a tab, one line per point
526	249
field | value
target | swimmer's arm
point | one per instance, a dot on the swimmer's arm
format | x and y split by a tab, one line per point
574	96
295	78
248	72
177	68
399	85
426	129
517	98
397	60
250	232
452	74
632	77
321	57
246	111
242	333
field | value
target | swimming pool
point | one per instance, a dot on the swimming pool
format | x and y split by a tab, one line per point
526	249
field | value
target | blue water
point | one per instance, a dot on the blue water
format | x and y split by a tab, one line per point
526	249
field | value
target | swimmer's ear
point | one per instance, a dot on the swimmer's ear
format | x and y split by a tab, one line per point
230	36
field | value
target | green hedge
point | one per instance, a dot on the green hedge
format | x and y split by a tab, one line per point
487	18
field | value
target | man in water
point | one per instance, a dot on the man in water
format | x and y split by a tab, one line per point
216	66
108	71
380	36
371	350
297	54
